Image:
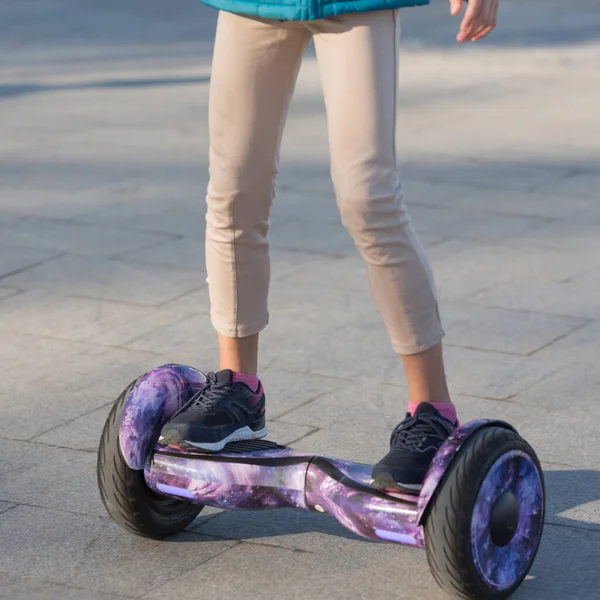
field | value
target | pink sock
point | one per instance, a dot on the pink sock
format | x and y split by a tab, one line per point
447	410
251	381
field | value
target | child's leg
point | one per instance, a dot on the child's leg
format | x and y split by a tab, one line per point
255	66
358	60
357	57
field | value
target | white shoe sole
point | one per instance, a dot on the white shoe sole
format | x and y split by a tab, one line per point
245	433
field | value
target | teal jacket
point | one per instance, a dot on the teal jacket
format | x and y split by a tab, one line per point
307	10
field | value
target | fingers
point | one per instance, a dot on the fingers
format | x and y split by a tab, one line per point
470	20
479	20
481	32
455	7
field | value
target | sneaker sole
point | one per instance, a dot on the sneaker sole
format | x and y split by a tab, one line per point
173	438
385	481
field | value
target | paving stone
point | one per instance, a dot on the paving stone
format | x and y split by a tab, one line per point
285	391
362	404
509	176
175	210
57	478
303	575
55	236
559	403
7	292
25	589
575	233
366	439
94	553
580	346
4	506
573	496
185	253
582	185
464	267
574	298
476	373
499	330
492	202
14	258
119	281
300	234
82	433
562	568
53	392
39	312
453	222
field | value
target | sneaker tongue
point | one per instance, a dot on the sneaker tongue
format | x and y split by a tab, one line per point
426	408
224	376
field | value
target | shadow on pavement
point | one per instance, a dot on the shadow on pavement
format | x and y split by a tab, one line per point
12	90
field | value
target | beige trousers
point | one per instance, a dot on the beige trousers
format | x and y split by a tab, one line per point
255	66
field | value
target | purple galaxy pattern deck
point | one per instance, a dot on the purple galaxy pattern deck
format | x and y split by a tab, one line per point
502	567
368	515
444	457
155	398
232	485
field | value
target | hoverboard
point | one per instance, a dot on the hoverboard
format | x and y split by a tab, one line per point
479	514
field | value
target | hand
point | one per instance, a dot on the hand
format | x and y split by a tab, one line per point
480	18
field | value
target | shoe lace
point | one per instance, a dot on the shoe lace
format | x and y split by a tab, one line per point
209	396
413	432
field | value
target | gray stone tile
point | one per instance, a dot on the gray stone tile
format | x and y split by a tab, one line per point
185	253
503	175
91	277
575	298
500	330
314	203
463	267
476	373
301	234
62	236
43	313
52	392
174	210
338	574
25	589
580	346
366	439
562	403
362	404
564	566
574	233
194	332
467	224
50	477
16	257
573	496
94	553
285	391
286	433
8	292
4	506
82	433
491	202
582	185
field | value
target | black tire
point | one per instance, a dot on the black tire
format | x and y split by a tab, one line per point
449	515
127	498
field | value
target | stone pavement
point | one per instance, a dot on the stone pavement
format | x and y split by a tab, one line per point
103	151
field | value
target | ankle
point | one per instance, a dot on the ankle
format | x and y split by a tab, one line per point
446	409
250	379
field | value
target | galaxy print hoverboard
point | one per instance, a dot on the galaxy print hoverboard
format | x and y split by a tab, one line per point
479	515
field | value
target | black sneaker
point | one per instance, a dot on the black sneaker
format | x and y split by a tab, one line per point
414	443
223	411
